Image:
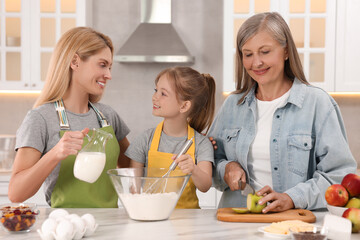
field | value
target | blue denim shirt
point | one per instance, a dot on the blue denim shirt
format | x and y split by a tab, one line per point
308	145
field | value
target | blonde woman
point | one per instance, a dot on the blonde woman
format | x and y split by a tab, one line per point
47	144
276	131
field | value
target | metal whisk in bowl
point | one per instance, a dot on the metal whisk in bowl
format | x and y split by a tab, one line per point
159	182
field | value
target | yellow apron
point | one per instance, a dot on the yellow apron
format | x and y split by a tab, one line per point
157	159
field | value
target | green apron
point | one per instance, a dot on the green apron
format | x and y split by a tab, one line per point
70	192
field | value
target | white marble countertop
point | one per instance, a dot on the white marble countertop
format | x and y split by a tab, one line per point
182	224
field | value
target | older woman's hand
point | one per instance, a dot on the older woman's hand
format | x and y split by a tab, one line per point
278	201
233	174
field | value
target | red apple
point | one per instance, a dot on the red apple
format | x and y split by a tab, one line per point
336	195
352	184
353	214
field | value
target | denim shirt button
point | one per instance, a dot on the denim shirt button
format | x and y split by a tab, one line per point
275	168
274	140
305	144
277	116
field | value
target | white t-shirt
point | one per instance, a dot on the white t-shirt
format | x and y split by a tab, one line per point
259	156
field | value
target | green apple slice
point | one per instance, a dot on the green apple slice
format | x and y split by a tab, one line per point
241	210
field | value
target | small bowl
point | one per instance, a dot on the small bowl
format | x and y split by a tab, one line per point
309	233
145	194
18	217
338	211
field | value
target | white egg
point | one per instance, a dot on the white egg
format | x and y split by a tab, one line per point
58	213
90	224
79	226
73	215
64	230
45	237
59	219
89	220
48	226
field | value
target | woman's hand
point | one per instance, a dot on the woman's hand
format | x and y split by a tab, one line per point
185	163
70	143
213	142
278	201
233	174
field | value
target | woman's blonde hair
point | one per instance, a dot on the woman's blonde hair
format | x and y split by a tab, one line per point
275	25
82	41
199	89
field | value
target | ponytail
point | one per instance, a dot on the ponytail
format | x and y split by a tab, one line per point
203	116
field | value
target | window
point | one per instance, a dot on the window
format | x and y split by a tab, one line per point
312	23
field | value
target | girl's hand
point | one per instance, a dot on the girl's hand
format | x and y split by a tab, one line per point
278	201
185	163
233	175
70	143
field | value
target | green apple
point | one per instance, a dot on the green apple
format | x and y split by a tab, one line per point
353	203
252	203
241	210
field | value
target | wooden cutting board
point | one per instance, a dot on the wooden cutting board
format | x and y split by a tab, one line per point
228	215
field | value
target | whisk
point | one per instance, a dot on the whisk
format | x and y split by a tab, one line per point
155	186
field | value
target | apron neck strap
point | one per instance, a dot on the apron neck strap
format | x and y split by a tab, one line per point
157	135
63	119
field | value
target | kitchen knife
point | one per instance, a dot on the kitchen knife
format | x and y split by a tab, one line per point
248	189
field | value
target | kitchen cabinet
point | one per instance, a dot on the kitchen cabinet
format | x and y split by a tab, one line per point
210	199
29	30
325	33
347	46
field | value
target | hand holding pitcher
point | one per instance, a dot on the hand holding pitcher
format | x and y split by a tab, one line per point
90	161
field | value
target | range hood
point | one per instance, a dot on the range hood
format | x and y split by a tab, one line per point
155	39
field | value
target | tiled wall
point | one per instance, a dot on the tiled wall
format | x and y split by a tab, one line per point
199	24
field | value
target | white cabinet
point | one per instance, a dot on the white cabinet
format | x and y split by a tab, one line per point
325	32
38	198
29	30
347	46
210	199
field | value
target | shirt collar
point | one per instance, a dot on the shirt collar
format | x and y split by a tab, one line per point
297	94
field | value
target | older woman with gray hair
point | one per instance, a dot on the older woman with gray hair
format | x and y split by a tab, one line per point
283	136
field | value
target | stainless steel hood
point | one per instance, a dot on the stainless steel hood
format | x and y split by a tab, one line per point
155	39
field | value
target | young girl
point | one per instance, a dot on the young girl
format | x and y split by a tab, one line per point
186	100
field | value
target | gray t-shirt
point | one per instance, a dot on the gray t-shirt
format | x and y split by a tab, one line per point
138	149
40	130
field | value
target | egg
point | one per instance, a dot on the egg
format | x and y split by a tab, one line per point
71	216
48	226
58	213
59	219
43	237
64	230
79	226
90	224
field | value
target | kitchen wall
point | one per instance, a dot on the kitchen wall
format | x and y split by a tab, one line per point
199	24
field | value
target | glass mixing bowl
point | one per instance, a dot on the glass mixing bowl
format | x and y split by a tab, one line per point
145	194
